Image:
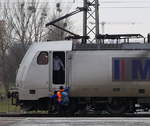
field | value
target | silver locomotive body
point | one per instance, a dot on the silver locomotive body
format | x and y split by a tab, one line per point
100	74
115	73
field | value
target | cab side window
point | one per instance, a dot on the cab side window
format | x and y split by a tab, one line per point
42	58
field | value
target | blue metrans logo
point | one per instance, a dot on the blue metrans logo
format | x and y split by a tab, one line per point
131	69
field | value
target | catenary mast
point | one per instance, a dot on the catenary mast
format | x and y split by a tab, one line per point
91	13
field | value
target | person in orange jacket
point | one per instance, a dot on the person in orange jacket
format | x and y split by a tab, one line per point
59	94
59	100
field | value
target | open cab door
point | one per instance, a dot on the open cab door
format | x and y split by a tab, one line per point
57	70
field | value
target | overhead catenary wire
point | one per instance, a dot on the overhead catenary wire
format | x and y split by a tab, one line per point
72	2
100	1
123	7
102	7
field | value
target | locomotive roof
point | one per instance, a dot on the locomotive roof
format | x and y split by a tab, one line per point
53	45
122	46
69	45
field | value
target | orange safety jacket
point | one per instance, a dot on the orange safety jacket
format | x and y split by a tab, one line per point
59	95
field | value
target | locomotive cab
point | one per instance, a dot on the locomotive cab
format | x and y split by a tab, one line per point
37	78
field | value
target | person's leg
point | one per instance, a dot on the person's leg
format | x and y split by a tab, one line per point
55	77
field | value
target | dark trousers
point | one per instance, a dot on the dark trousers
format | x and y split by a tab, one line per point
57	77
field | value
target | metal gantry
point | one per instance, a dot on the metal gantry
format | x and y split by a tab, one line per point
91	13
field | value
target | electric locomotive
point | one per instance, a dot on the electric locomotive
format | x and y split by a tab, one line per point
109	76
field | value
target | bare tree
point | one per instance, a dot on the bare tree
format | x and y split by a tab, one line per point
20	24
27	21
24	24
3	49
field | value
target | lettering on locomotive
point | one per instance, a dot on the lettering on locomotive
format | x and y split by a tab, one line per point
131	69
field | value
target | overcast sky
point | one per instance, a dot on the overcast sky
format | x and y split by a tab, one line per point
120	20
121	16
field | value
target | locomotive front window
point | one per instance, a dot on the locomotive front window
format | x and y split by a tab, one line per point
42	58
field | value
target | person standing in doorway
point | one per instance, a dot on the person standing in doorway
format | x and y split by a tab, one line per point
58	67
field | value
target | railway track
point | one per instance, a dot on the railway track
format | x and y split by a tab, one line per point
78	115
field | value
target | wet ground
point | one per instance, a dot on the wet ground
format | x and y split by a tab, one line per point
9	121
75	121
